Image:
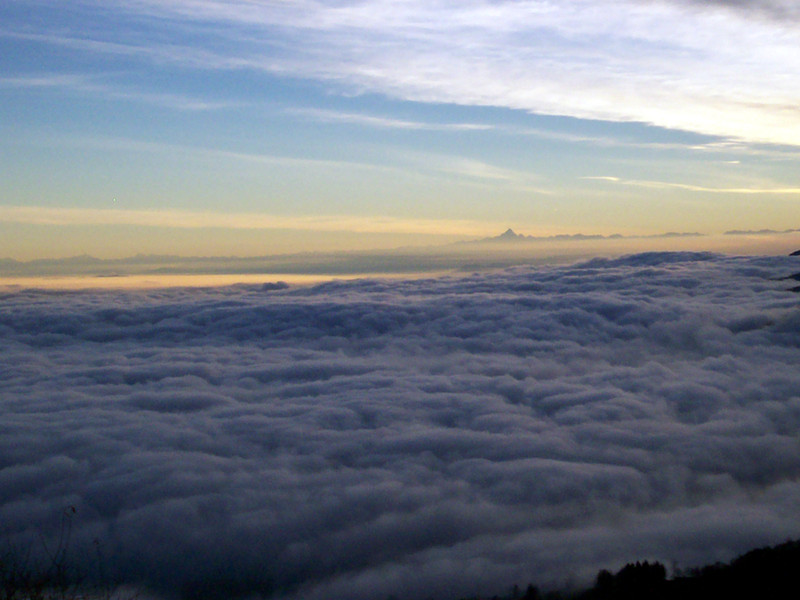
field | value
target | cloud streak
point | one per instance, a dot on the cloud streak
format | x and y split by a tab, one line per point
331	116
48	215
85	85
695	188
428	438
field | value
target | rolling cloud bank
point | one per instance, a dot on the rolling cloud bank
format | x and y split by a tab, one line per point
426	438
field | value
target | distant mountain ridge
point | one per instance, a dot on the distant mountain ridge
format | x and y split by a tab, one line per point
510	236
760	231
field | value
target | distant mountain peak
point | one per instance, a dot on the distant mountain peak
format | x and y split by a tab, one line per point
508	234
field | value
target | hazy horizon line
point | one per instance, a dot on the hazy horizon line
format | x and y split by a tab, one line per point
515	238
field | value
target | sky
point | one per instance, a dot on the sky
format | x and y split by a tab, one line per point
434	438
202	127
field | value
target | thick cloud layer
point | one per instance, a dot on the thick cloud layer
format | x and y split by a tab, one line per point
421	438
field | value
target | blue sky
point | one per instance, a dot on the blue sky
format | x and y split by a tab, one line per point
248	127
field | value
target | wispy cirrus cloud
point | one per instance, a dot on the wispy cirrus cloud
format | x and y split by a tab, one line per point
426	165
384	122
332	116
704	67
696	188
91	85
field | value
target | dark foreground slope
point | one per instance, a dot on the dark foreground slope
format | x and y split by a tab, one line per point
762	573
770	572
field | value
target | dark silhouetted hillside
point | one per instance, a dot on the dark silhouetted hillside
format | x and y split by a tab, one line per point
762	573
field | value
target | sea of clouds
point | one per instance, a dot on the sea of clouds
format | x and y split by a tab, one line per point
421	438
